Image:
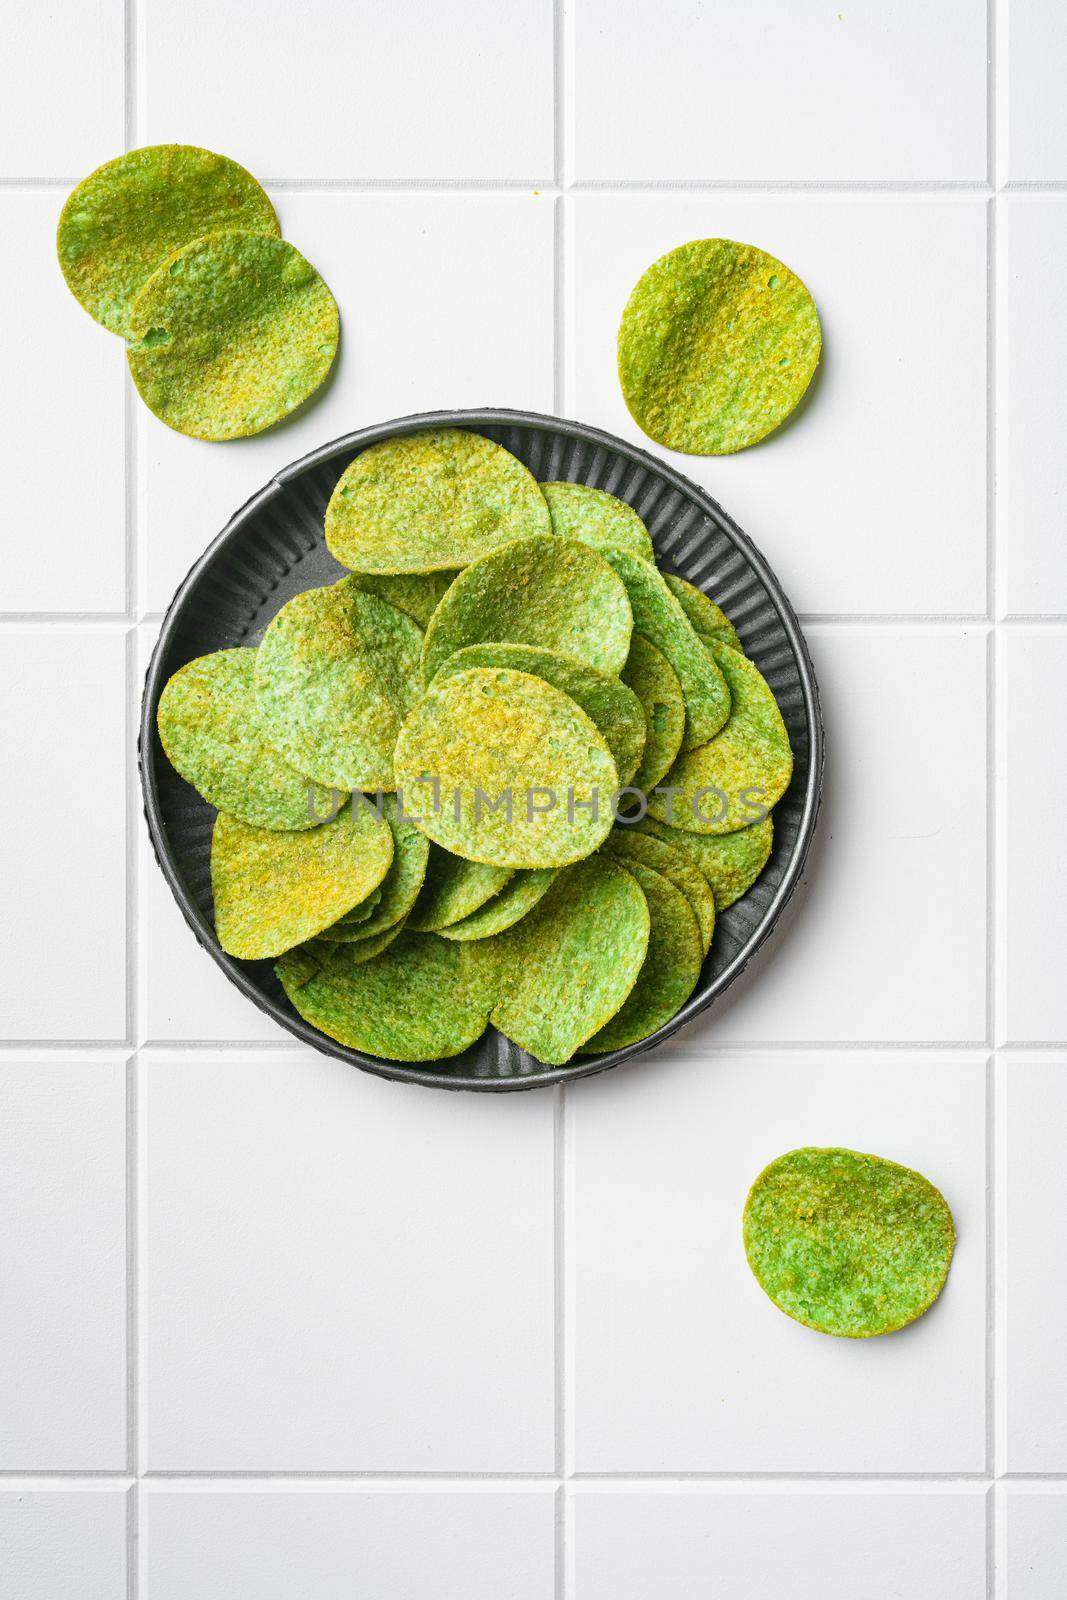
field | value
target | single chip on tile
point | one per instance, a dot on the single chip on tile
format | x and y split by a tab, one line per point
846	1243
717	344
230	335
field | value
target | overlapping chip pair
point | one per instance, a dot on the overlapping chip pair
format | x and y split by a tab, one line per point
179	252
504	772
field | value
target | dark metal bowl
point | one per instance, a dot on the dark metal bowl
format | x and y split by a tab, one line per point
274	547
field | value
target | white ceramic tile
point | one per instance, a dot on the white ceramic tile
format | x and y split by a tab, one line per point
62	833
835	1543
1032	1097
886	940
64	1543
872	498
343	1274
63	1265
67	550
488	1542
61	89
1033	405
792	89
406	90
445	301
1035	1558
1033	759
681	1362
1036	36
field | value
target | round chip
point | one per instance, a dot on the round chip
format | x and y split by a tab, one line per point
504	769
422	999
429	501
275	890
131	214
544	591
709	620
509	905
670	970
407	870
657	615
230	335
731	862
654	681
726	784
610	704
571	962
337	672
595	517
626	845
717	344
209	727
453	888
847	1244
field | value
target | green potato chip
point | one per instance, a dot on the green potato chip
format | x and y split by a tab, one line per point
658	616
547	591
595	517
717	345
611	705
210	730
626	845
452	889
230	335
131	214
337	672
407	870
847	1244
509	905
425	502
571	962
670	970
422	999
415	593
276	890
520	775
731	862
654	681
709	620
745	770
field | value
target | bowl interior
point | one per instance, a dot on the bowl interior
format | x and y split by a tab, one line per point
274	548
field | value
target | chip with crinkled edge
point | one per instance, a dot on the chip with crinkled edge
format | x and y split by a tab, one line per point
230	335
717	344
417	594
658	616
626	845
276	890
484	735
709	620
337	672
569	965
733	781
425	502
654	681
595	517
611	704
731	862
407	871
545	591
452	889
847	1243
509	905
134	212
211	734
422	999
669	973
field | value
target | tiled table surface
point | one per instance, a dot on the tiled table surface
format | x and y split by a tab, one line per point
269	1327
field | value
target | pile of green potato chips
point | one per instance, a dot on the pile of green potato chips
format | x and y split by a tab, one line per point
505	772
179	252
